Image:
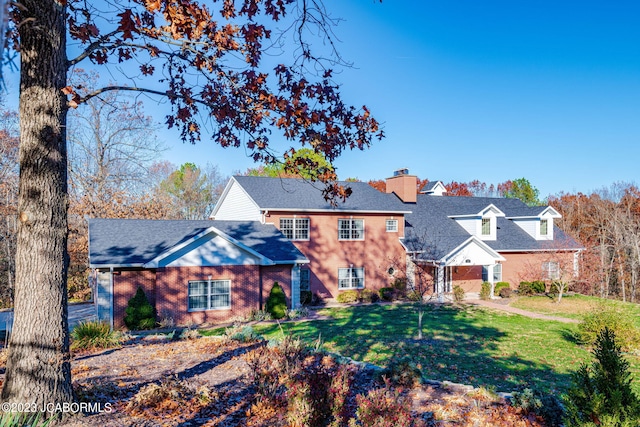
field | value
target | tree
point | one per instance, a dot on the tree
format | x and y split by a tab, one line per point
193	192
206	67
521	189
8	203
304	163
112	143
601	394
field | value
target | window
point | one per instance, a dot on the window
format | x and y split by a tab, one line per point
392	226
497	273
305	279
350	229
544	227
351	278
295	228
486	226
209	295
551	270
494	271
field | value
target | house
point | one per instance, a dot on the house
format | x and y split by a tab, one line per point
350	246
373	237
191	271
264	230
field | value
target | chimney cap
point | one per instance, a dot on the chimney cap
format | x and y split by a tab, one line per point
403	171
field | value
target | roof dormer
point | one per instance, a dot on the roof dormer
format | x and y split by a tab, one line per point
538	223
483	224
434	188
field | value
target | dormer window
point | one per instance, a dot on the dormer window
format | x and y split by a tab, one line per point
544	227
486	226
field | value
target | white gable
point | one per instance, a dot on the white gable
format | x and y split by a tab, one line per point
209	251
472	252
236	205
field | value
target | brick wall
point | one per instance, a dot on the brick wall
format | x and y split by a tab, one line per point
125	285
376	253
276	273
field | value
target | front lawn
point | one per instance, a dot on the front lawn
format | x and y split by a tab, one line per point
574	306
463	344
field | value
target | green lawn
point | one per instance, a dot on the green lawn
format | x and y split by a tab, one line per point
574	306
465	344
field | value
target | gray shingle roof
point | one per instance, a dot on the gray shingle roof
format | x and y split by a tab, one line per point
301	195
138	241
429	226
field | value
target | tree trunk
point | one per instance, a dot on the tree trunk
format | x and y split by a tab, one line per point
38	368
420	315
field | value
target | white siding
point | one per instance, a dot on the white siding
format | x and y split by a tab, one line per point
210	250
473	252
236	205
531	226
471	225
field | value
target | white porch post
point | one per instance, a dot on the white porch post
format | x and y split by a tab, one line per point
492	271
295	286
440	282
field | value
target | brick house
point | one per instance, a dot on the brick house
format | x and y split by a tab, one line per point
192	271
373	237
282	229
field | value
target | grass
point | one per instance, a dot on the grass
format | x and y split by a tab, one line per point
574	306
462	344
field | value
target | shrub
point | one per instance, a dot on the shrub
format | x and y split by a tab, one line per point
276	302
603	316
547	406
601	394
485	290
500	285
402	371
400	285
538	286
387	294
367	295
139	312
414	296
95	334
242	333
306	297
347	297
505	293
259	316
382	407
297	313
458	293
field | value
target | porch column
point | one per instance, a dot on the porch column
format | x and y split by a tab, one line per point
295	286
440	282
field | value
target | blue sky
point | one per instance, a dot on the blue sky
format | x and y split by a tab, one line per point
489	90
486	89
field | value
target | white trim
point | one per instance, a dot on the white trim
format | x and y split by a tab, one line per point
491	207
351	278
351	229
338	211
208	295
294	218
226	190
156	261
386	225
494	253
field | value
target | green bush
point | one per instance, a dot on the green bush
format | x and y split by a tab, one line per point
604	316
458	293
242	334
367	295
387	294
601	394
500	285
400	285
139	313
94	334
485	290
402	371
531	288
505	293
276	302
547	406
348	297
306	297
414	296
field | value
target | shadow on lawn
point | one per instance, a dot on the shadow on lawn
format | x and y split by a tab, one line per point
456	346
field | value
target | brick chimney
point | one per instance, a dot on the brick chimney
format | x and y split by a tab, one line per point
403	185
